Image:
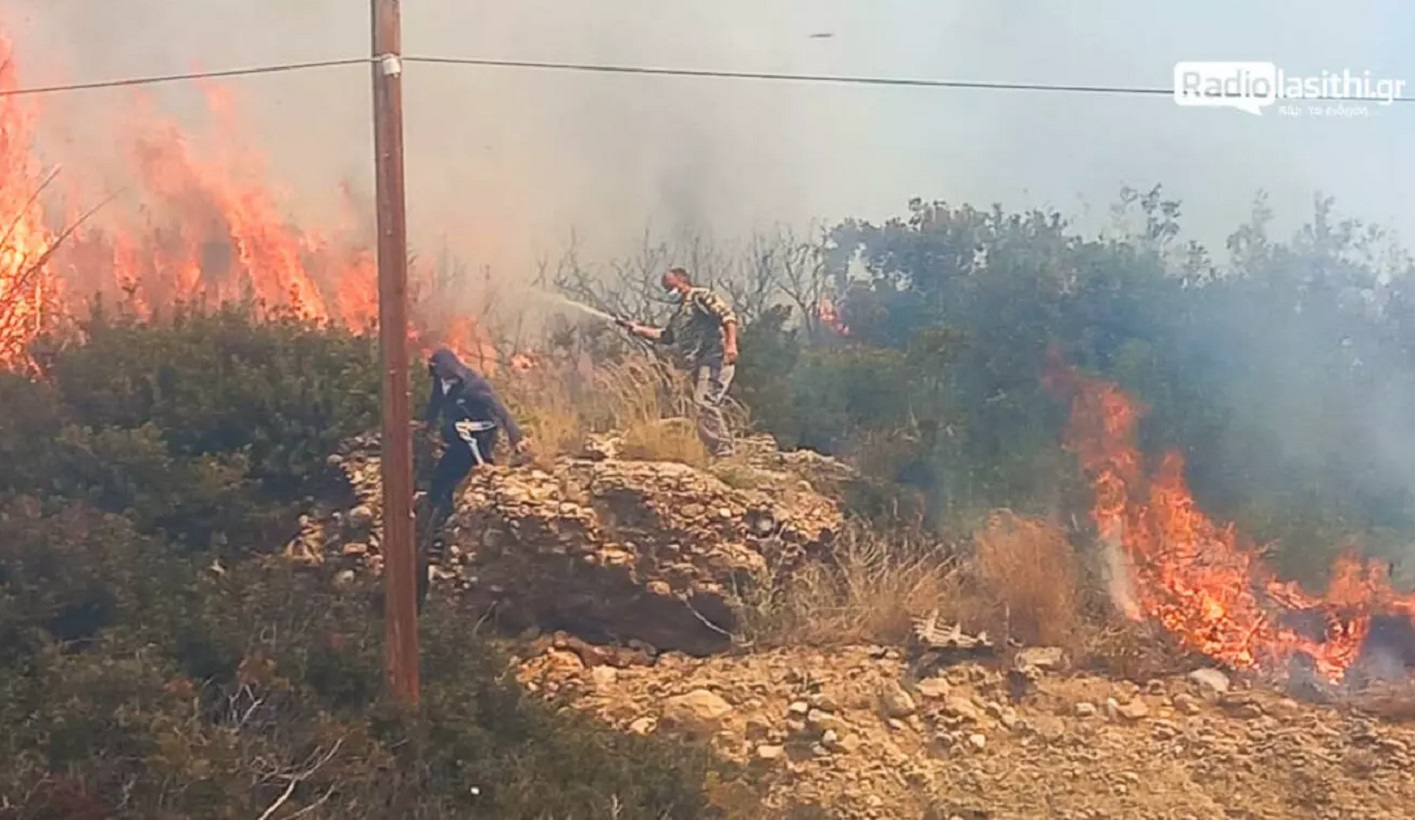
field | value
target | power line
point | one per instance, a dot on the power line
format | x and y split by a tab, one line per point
837	79
593	68
172	78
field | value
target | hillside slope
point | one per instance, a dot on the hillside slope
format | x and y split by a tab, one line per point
620	575
848	730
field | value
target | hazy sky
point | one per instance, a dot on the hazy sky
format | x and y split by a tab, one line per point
505	161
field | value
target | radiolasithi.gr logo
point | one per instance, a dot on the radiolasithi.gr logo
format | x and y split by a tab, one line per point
1253	86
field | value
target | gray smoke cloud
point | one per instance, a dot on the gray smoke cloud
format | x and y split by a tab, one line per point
506	162
503	164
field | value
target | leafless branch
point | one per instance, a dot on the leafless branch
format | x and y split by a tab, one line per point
296	779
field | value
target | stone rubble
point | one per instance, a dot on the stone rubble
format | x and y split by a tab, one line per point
613	550
848	730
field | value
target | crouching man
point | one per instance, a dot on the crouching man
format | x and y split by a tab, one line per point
471	414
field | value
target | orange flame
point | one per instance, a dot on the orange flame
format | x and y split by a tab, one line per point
26	292
209	230
1197	578
830	316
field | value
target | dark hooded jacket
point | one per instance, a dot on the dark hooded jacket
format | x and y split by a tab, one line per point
471	398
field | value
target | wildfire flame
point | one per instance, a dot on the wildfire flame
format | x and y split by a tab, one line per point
830	316
1199	579
209	230
26	293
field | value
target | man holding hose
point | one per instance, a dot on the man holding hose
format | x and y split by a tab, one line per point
703	332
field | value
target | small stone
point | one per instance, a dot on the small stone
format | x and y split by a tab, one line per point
659	588
1134	710
1046	658
354	548
830	739
1210	679
895	701
770	752
757	728
344	578
643	726
934	688
1086	710
850	743
822	721
820	700
698	711
1247	711
1187	704
963	708
604	676
799	709
978	741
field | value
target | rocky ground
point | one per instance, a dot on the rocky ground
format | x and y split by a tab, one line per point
850	731
619	573
611	549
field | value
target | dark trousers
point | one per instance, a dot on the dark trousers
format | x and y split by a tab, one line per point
461	455
458	459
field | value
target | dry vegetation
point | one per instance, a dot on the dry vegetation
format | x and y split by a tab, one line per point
868	590
1028	571
648	403
1016	576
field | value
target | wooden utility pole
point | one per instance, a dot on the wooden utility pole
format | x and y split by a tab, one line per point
400	563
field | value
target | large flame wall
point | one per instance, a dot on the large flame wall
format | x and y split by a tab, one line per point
201	225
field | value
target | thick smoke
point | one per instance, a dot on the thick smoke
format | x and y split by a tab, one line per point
503	164
504	160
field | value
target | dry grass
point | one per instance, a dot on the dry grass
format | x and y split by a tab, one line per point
1030	572
867	590
645	401
674	439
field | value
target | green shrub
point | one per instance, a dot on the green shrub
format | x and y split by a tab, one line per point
153	687
213	428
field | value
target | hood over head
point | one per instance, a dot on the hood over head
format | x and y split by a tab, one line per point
444	361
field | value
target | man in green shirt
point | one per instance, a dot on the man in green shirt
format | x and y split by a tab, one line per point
703	334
